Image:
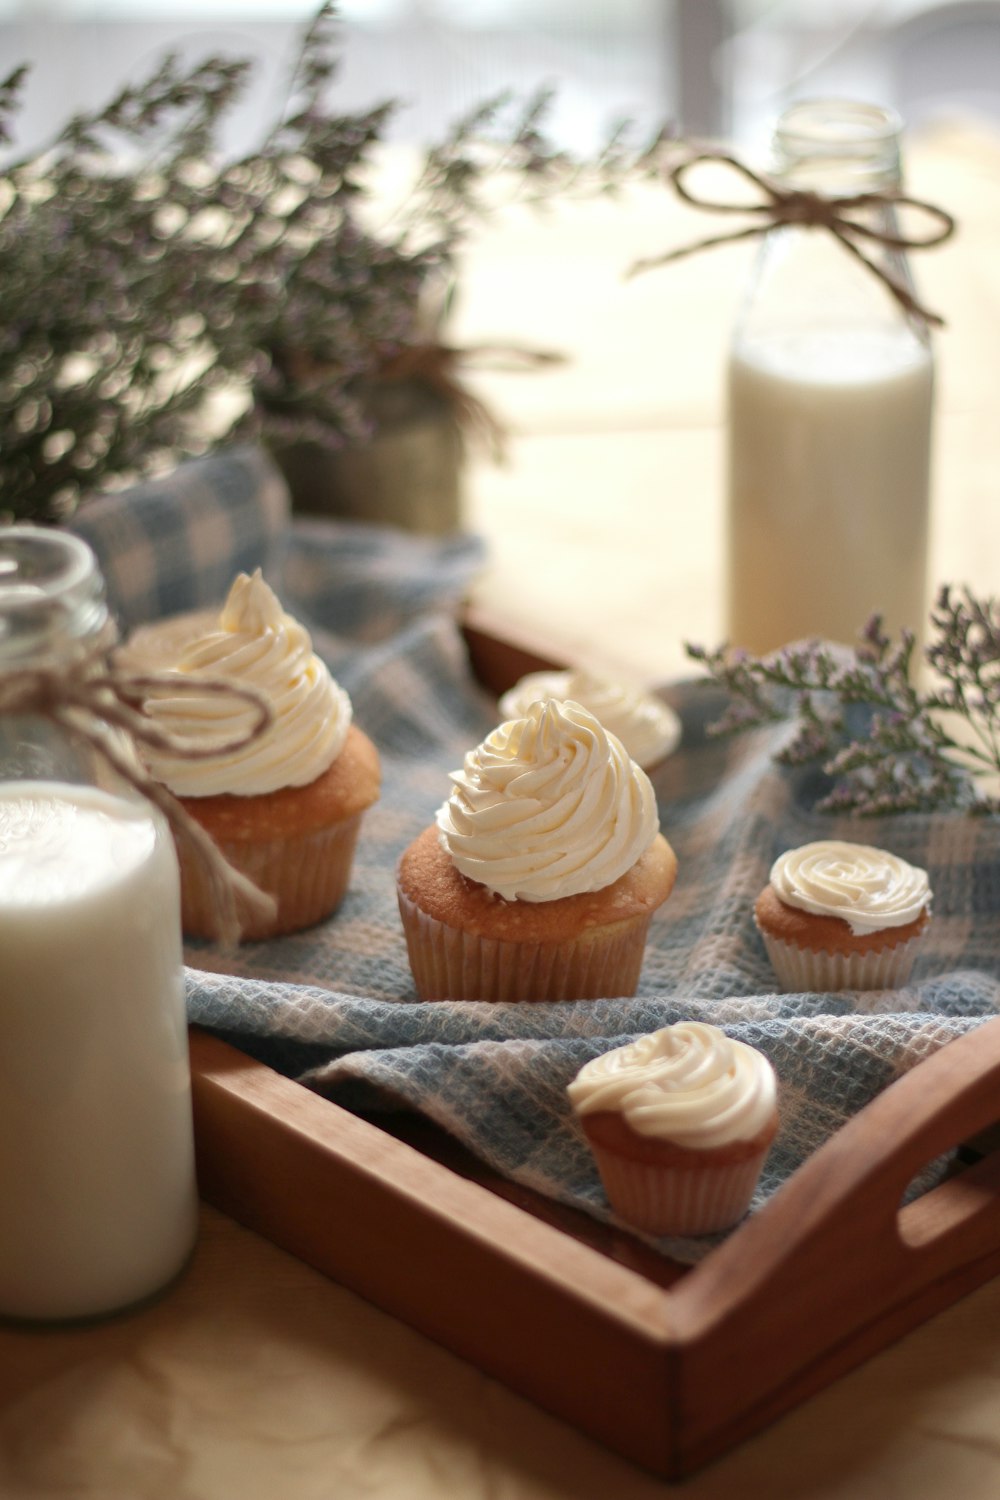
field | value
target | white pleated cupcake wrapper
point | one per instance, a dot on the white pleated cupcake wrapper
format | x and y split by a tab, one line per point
448	964
308	875
679	1200
801	970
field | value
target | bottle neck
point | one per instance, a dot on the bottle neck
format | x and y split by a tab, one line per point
805	278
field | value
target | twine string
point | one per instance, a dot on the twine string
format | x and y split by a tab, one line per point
439	366
780	205
94	702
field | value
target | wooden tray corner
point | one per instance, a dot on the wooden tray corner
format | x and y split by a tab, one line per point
668	1367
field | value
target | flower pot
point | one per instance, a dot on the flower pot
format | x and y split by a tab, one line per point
407	475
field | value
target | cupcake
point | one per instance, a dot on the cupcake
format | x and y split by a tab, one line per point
286	809
647	727
839	916
542	871
680	1123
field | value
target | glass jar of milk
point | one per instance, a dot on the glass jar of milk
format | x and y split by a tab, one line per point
96	1147
830	398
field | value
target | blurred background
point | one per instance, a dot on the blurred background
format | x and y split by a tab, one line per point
605	524
713	67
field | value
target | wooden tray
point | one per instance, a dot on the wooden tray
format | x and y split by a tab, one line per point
670	1367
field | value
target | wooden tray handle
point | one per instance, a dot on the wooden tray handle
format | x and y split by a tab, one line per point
838	1224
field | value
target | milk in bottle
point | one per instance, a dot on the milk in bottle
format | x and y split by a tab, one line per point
830	392
96	1144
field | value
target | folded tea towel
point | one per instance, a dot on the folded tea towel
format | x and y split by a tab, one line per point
174	543
335	1006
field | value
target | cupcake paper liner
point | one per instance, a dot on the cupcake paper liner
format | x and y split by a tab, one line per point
448	964
308	876
801	969
689	1200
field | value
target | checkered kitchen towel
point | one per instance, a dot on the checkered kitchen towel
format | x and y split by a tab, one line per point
336	1007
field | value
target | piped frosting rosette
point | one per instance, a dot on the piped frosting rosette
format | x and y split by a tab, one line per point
549	805
647	727
680	1122
839	915
689	1084
869	888
252	641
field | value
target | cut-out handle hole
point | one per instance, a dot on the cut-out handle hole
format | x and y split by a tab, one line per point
948	1195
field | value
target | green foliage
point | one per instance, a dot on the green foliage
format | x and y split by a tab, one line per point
146	278
889	745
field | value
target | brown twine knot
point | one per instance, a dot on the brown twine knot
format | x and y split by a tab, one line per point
808	209
439	365
91	700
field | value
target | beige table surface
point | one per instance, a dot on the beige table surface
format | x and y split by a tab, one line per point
255	1377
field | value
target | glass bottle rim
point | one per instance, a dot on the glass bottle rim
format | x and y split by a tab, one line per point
51	591
830	136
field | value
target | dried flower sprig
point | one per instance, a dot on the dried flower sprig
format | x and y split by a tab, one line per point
144	274
888	745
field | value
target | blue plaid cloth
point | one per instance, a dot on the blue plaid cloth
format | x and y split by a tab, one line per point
335	1006
175	543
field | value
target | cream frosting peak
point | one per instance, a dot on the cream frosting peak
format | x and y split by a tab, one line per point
252	641
647	727
252	608
688	1083
868	888
549	805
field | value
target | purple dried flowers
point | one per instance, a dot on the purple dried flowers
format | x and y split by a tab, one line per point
888	745
144	277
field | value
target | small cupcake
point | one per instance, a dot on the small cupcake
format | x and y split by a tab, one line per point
680	1123
647	727
286	809
543	869
838	916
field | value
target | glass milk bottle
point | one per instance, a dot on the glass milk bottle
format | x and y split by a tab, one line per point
830	398
96	1149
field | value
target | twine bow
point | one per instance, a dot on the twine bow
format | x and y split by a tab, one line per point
93	701
783	205
439	367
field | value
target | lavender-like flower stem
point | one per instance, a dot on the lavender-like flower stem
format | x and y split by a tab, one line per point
907	759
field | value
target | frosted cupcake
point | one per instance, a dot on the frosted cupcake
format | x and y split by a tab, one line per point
286	809
542	871
839	916
680	1123
647	727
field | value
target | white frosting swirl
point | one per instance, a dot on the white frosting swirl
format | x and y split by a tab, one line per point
869	888
548	805
252	641
688	1083
647	727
